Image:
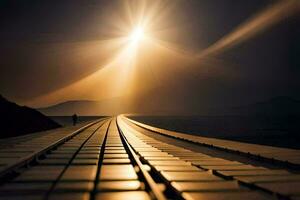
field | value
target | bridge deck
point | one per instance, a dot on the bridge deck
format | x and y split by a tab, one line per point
113	159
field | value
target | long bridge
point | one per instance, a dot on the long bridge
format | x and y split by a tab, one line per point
119	158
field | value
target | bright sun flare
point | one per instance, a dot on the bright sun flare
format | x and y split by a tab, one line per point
137	34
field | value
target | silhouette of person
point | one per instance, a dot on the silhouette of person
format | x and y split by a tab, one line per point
74	118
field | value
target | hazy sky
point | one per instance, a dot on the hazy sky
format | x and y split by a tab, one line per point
57	50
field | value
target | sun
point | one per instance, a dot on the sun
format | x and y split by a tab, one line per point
137	35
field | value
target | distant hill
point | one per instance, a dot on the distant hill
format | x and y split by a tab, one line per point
278	106
20	120
85	107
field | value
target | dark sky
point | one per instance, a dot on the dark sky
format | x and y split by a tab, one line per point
47	45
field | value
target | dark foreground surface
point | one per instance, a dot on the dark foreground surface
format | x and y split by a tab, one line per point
280	131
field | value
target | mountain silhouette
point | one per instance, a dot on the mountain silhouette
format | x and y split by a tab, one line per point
150	105
20	120
87	108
